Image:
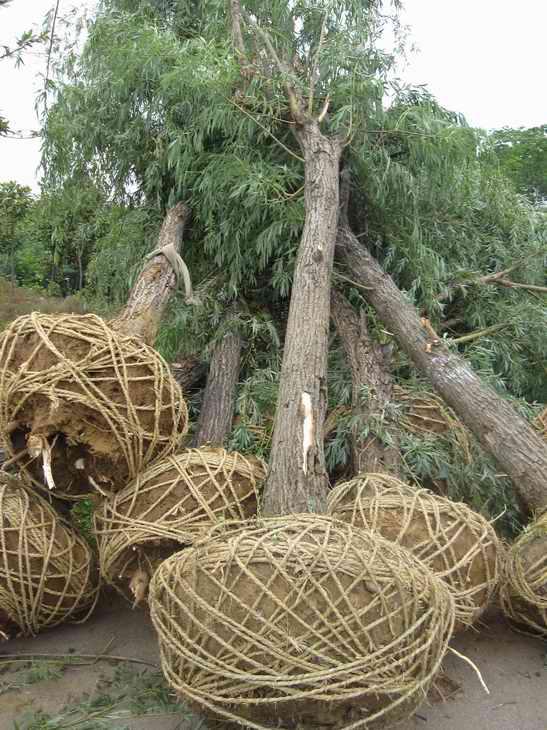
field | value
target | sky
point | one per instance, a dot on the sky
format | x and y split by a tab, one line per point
482	58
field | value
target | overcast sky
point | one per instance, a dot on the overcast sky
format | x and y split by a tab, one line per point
483	58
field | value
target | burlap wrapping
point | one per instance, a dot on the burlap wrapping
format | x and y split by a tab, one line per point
300	622
524	586
96	406
457	544
47	572
168	507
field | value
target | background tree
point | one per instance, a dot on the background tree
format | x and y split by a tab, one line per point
15	201
522	156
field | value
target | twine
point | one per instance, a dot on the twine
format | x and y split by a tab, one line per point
170	505
457	544
103	405
47	572
426	413
300	622
524	587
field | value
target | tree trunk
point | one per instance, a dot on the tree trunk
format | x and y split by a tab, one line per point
189	371
217	410
150	295
370	371
80	271
297	479
517	448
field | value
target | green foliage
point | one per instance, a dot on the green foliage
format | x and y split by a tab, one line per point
439	218
522	157
130	694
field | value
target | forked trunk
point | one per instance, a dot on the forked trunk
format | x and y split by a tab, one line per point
517	448
297	480
217	410
151	293
372	387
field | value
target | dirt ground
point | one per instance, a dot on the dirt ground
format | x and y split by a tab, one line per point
514	668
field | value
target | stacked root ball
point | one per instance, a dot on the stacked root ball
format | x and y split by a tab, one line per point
524	587
83	408
456	543
168	507
47	572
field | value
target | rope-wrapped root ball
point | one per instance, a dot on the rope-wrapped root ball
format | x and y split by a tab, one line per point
300	622
47	571
83	407
457	544
524	586
168	507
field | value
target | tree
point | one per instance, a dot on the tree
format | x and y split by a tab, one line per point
518	449
160	107
15	202
15	52
217	410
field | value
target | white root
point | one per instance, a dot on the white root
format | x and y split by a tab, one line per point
473	666
307	428
138	585
39	446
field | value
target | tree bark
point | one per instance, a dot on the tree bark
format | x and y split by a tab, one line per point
517	448
297	479
158	279
370	370
217	410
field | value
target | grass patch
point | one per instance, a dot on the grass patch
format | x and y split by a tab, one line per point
131	693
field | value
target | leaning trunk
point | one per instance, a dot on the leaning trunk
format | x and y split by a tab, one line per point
517	448
372	387
150	295
297	480
217	410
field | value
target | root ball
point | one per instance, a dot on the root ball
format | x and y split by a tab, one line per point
524	586
83	408
47	572
300	622
169	506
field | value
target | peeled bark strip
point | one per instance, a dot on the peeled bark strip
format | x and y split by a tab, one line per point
517	448
152	291
370	368
217	410
298	480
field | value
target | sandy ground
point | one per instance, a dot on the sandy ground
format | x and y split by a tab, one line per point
514	667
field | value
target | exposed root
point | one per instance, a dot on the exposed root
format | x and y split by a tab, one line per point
473	666
138	585
39	446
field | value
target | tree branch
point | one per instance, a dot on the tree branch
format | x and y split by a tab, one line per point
315	65
479	333
517	285
237	35
498	278
295	102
